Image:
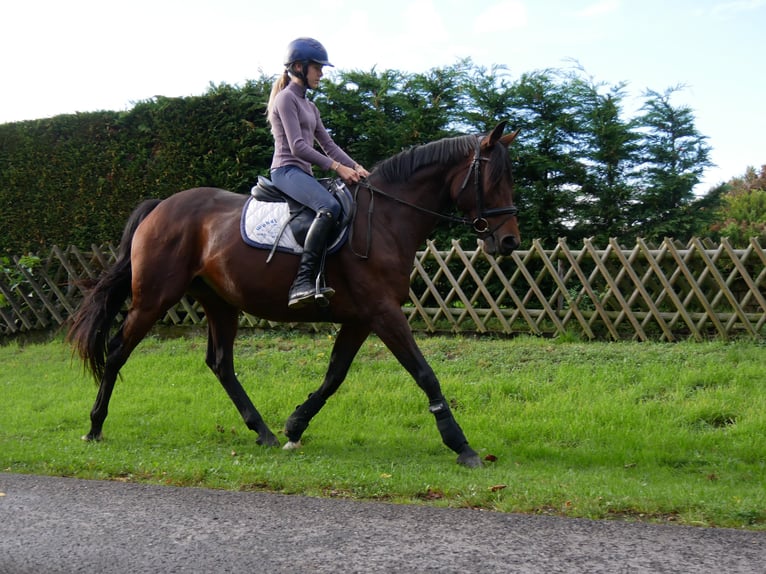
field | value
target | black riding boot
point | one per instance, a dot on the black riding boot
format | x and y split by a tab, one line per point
304	290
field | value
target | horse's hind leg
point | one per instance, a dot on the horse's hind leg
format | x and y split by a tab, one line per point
222	330
347	344
106	386
121	345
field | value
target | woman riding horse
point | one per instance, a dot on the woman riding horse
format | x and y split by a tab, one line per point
296	124
191	243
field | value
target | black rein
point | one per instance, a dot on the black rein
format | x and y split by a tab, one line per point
479	223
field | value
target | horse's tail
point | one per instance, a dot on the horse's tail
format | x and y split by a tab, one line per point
90	326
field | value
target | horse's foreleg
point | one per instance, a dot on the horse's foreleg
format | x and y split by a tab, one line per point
394	331
222	329
347	344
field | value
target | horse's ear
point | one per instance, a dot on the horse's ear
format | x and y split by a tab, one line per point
495	135
507	139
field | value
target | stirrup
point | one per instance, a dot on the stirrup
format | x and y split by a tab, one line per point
320	296
322	293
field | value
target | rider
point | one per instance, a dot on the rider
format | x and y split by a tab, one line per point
296	125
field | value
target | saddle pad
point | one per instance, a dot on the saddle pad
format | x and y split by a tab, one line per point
262	221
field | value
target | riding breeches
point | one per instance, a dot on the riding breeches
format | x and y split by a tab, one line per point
303	188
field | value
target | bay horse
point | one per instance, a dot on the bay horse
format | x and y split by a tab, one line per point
190	243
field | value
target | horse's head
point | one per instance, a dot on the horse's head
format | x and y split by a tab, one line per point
484	191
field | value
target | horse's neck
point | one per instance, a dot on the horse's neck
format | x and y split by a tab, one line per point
408	226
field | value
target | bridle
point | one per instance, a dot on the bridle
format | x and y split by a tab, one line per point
480	223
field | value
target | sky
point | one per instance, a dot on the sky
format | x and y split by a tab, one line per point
62	57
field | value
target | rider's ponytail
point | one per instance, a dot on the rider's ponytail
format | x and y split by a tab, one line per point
279	85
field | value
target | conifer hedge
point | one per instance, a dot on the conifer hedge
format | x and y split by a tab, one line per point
74	179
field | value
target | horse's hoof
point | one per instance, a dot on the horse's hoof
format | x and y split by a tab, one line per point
469	458
92	437
292	445
269	440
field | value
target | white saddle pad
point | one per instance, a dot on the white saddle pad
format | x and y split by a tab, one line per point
261	223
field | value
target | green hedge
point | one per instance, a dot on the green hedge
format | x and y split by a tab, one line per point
73	179
581	169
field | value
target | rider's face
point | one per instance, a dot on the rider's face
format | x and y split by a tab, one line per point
313	75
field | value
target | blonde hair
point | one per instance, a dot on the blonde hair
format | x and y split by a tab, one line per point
279	85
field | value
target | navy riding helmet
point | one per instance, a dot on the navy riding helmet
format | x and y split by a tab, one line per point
306	50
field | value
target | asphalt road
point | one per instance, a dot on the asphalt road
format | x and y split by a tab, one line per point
59	525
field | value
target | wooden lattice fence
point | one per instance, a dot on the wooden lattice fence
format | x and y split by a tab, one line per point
666	292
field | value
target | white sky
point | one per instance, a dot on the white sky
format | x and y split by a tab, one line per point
71	56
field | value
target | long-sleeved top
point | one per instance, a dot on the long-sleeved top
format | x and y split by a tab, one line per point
296	125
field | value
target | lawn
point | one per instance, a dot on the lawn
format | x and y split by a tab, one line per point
672	433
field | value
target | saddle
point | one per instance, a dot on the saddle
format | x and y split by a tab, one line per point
272	220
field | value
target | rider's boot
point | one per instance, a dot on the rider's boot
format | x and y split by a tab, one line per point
304	288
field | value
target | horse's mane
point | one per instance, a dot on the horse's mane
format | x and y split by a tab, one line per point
403	165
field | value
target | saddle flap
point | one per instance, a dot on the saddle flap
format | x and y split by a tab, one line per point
265	190
347	204
301	217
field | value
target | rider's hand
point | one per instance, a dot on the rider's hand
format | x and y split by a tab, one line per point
349	174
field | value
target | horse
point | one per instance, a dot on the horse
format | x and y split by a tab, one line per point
190	243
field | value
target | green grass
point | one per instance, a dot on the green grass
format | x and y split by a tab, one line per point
638	431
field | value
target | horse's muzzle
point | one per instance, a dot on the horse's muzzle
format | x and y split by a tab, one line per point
506	245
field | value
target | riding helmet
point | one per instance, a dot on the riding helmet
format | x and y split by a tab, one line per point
306	50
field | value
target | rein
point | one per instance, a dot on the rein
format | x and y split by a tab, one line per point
479	223
444	216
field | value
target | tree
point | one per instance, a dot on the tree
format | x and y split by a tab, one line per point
374	115
675	156
581	168
606	202
489	97
364	112
549	170
743	211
